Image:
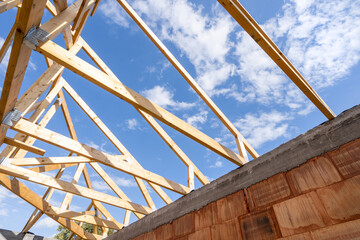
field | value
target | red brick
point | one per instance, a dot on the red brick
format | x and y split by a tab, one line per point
258	226
343	231
229	230
302	236
347	159
205	217
141	237
184	225
299	214
269	191
164	232
342	200
203	234
149	236
231	207
316	173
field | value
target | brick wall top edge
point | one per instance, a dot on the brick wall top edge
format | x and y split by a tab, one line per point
321	139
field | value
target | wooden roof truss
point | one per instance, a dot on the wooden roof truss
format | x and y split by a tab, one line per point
27	35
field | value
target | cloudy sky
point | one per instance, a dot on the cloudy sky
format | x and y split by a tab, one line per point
321	38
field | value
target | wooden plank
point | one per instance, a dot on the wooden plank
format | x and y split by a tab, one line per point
9	39
59	140
84	69
49	161
238	12
81	26
61	5
30	15
72	188
86	218
17	143
29	196
48	168
188	78
8	4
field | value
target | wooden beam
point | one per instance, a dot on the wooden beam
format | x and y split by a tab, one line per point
194	85
17	143
61	5
9	39
238	12
8	4
72	188
84	69
30	15
56	139
86	218
48	168
49	161
29	196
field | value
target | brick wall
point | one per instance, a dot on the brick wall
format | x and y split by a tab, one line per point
320	199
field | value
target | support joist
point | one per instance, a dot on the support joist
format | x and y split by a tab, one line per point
72	188
84	69
66	143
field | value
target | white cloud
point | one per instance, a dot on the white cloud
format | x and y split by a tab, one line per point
4	212
100	147
100	185
114	13
132	124
217	164
261	128
46	223
164	98
93	145
204	39
197	119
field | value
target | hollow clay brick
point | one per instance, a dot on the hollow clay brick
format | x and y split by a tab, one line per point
347	159
269	191
299	214
342	200
316	173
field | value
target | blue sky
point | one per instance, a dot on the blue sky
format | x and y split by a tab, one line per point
321	38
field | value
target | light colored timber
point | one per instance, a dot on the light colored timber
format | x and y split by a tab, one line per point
14	151
66	143
84	69
8	4
72	188
238	12
9	39
17	143
61	5
49	161
30	15
86	218
48	168
188	78
33	107
29	196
